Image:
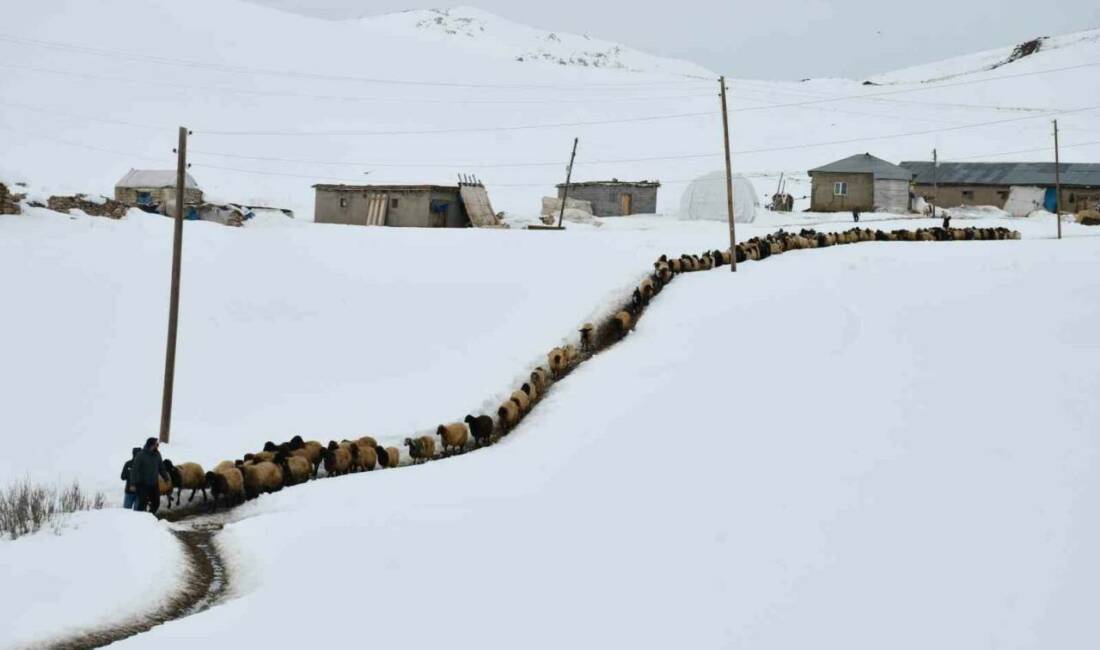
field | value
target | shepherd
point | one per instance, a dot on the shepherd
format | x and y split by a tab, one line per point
130	494
146	469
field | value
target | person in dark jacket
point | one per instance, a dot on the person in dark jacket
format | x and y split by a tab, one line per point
855	215
130	495
146	468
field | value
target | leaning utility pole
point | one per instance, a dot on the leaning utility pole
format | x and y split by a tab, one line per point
729	176
935	181
174	296
1057	182
568	177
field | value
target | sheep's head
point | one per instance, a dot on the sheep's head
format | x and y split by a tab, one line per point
270	446
469	419
408	442
297	443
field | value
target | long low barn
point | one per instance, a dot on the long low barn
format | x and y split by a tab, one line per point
1018	187
415	206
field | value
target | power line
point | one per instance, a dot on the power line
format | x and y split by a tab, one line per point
484	129
459	165
220	67
75	116
342	98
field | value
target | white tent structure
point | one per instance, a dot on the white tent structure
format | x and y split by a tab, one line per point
705	199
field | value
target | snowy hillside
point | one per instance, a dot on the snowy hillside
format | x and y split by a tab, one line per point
278	102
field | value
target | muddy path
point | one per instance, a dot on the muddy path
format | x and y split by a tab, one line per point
204	586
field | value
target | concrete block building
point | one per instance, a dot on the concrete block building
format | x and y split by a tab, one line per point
615	198
404	206
861	182
953	184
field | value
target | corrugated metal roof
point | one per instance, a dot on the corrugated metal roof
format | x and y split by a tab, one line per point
1009	173
155	178
865	163
384	188
614	183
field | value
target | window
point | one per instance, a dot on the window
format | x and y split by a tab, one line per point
144	198
840	188
968	195
343	202
393	203
1002	195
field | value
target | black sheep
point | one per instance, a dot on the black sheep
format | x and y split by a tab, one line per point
481	428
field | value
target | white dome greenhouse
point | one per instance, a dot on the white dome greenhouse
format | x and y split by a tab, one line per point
705	199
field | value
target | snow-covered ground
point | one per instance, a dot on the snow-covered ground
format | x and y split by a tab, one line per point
102	569
278	102
878	445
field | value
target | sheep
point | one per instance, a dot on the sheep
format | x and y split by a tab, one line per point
363	455
646	287
312	450
481	428
509	416
556	359
187	476
623	321
337	459
664	271
521	400
227	482
586	340
164	488
571	356
387	456
453	437
532	392
296	469
261	477
421	449
262	456
540	378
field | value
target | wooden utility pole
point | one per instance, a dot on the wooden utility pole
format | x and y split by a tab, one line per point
174	296
1057	182
935	181
568	177
729	175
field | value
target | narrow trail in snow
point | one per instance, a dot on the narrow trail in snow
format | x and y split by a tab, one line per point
208	578
204	586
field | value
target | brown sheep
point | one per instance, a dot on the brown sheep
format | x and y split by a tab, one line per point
227	482
623	321
521	400
388	456
337	459
363	455
296	469
186	476
571	356
261	477
532	392
421	449
540	378
509	416
556	359
646	287
453	437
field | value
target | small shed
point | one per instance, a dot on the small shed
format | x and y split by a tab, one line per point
615	198
155	189
416	206
861	182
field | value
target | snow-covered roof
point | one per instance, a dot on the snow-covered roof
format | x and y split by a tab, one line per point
154	178
865	163
1007	173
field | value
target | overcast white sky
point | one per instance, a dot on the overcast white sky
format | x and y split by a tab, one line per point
776	39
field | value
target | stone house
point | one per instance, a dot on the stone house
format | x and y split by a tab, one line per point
861	182
155	189
615	198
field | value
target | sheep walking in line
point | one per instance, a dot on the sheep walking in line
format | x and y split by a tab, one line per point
262	477
509	416
481	428
337	459
421	449
387	456
186	476
453	437
296	469
225	482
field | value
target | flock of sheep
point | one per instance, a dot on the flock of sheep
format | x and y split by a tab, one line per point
297	461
